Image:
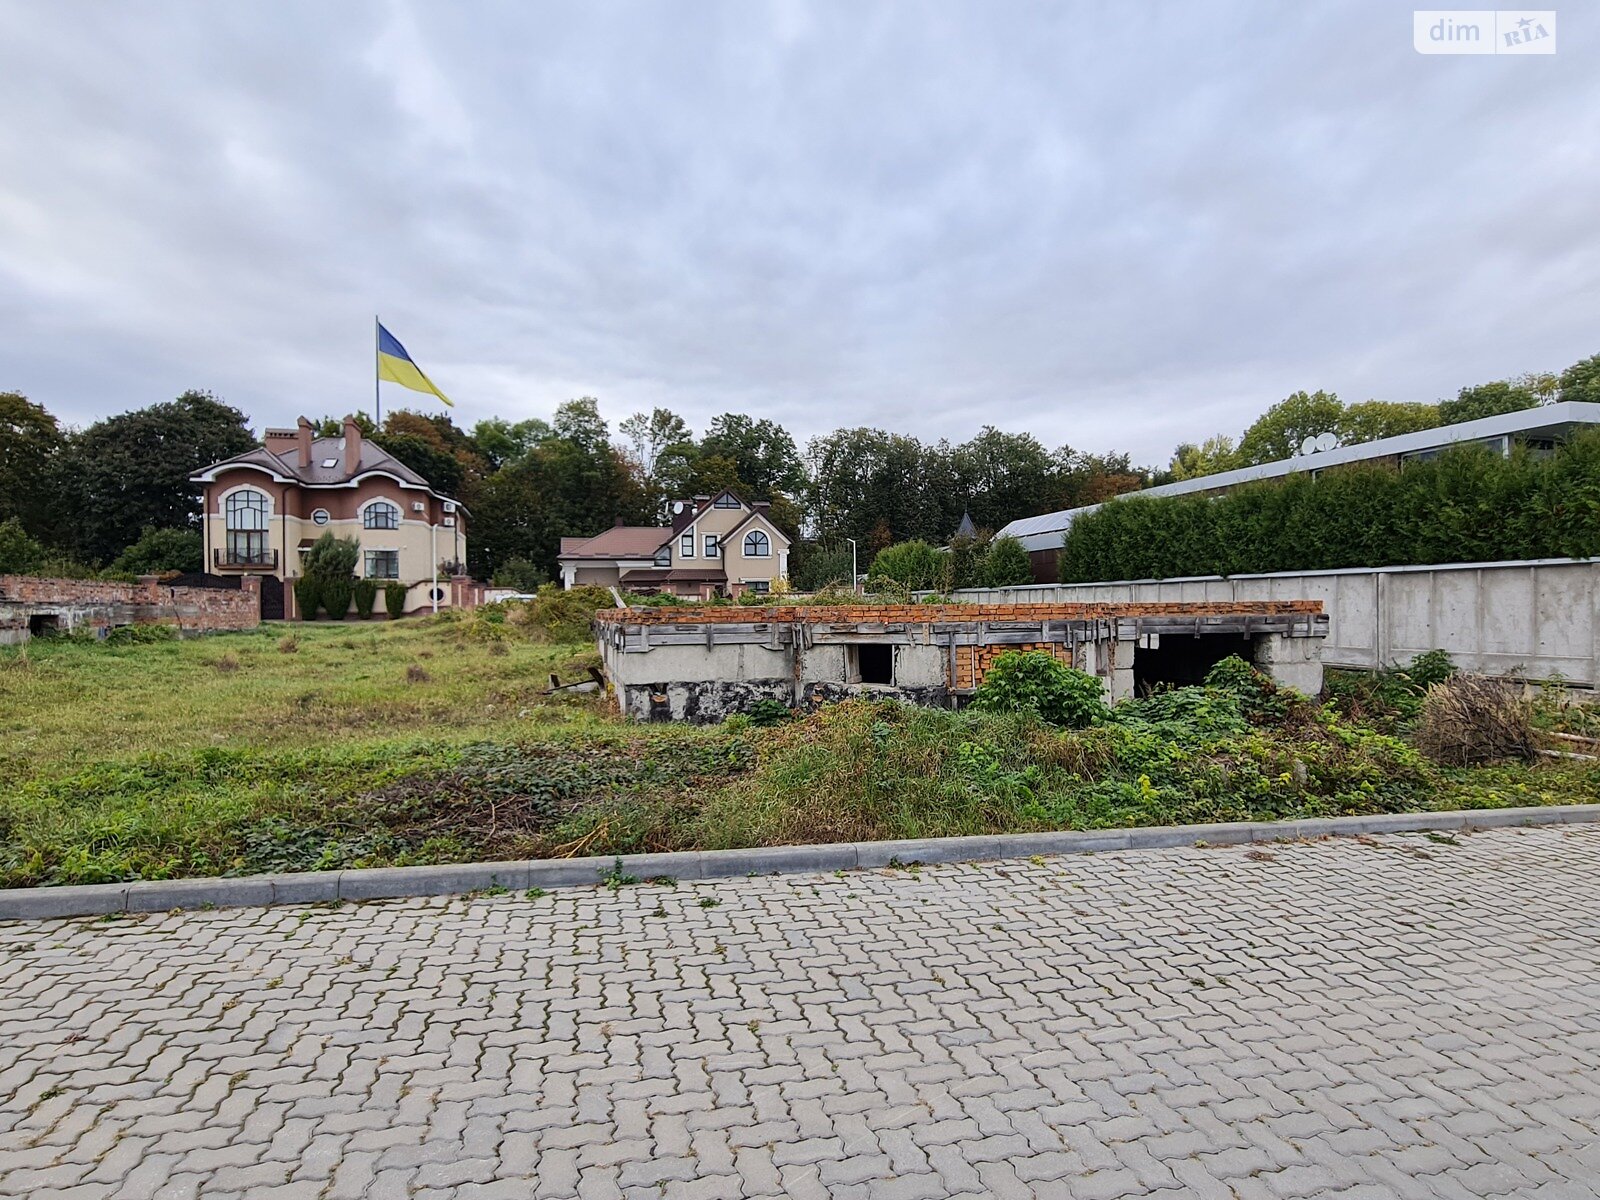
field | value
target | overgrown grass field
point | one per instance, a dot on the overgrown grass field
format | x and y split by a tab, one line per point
352	744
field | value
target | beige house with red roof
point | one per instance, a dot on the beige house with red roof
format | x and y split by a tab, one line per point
716	546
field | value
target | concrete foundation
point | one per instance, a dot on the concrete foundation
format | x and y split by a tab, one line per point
703	665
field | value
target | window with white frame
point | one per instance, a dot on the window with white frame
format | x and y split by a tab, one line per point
244	516
380	514
382	564
686	545
711	545
757	544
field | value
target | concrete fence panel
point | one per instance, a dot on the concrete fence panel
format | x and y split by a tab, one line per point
1536	619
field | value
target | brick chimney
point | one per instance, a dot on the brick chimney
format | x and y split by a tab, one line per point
352	446
303	435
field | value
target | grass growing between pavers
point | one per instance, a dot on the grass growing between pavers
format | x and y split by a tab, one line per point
329	746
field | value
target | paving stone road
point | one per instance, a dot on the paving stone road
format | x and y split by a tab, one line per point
1401	1018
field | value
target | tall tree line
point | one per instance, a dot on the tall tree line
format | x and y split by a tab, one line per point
116	493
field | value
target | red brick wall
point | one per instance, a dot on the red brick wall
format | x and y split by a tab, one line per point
194	610
923	614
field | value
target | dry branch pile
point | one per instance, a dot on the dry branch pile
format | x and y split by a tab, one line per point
1469	719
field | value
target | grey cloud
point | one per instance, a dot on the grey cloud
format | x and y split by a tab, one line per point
1119	226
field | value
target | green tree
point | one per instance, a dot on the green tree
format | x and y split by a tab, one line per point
913	565
1216	454
814	566
31	446
132	471
500	442
876	487
964	563
1581	381
159	550
998	477
1487	400
440	468
20	553
1373	419
572	484
1006	564
648	434
332	557
1279	432
762	452
519	573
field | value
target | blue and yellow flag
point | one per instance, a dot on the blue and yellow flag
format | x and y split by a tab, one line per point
395	365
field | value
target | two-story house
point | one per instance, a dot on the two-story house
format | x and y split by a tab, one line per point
264	508
716	546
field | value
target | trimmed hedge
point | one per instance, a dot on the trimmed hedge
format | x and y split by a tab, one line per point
307	596
336	595
394	598
1468	505
365	592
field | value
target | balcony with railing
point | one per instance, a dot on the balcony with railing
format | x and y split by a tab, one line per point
244	559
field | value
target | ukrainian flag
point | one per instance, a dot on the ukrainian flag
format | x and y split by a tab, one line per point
395	365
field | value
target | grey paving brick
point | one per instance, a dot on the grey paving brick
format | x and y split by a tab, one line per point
1343	1019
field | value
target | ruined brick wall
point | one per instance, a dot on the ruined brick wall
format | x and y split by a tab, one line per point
94	604
973	662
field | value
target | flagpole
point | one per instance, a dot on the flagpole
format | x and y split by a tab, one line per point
377	397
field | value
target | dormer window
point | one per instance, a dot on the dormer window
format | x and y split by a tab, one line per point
727	500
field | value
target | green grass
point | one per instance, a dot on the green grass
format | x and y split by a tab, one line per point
428	741
64	705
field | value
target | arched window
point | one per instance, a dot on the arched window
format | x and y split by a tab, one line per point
244	516
380	514
757	544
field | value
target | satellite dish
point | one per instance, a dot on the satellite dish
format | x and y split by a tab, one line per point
677	507
1327	441
1309	446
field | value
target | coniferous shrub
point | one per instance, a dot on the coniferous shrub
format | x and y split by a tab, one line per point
365	592
307	596
336	595
394	598
1006	564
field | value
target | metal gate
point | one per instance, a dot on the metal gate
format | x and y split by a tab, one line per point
271	598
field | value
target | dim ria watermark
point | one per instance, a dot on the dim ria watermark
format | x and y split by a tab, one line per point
1483	31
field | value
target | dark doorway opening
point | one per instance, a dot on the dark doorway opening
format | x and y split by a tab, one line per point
872	663
44	625
1183	660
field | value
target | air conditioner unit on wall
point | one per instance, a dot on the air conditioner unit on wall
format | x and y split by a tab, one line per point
418	506
449	522
449	506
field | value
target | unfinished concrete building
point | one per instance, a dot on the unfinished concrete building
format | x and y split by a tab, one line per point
702	664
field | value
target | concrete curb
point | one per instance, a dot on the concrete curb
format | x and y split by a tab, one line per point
385	883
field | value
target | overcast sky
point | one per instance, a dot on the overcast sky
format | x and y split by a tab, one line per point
1115	225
